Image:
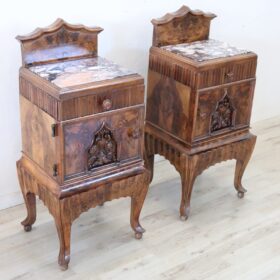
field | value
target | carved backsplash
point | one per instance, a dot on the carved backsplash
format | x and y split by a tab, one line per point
223	116
103	149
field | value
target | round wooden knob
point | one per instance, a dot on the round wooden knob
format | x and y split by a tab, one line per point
107	104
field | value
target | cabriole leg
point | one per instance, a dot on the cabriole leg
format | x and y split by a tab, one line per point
137	201
187	178
242	160
149	163
63	227
30	202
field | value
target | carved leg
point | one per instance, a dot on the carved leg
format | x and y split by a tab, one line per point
187	178
63	226
242	160
137	201
30	202
149	163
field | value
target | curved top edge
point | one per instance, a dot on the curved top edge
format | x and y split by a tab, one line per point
59	23
184	10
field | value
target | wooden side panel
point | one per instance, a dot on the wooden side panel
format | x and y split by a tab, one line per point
126	127
179	71
39	97
94	103
37	141
240	97
169	105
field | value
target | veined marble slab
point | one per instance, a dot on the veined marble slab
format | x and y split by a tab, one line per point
80	71
205	50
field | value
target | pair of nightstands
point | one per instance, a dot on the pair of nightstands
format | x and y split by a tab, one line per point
82	117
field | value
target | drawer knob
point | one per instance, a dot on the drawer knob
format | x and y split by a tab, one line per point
107	104
229	76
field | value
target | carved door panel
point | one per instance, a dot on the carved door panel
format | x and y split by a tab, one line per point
224	109
108	139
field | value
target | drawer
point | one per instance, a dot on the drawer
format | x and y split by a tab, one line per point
110	139
223	109
227	72
102	101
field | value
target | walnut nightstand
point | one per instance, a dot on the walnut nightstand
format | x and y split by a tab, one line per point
82	120
199	99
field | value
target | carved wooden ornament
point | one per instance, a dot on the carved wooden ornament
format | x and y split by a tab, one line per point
103	149
58	41
183	26
224	114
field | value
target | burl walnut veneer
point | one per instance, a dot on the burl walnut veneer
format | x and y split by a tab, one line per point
199	100
82	120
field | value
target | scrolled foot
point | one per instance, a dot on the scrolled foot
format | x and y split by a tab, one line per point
184	213
139	232
241	192
138	235
183	218
27	228
63	262
30	203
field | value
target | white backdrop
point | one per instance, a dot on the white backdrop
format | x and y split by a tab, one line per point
127	36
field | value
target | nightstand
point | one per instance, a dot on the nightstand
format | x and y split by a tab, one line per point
199	100
82	120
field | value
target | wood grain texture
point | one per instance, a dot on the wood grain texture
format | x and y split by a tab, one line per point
60	40
77	135
66	210
221	230
83	138
93	103
39	97
191	165
37	135
203	74
184	25
197	87
199	106
241	98
168	104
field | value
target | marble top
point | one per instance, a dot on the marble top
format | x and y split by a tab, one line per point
205	50
80	71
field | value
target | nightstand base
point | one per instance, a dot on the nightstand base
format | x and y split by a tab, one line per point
66	209
190	164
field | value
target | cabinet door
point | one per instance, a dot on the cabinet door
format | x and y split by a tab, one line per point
224	109
103	141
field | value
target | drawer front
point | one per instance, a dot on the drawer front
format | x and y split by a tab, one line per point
227	73
108	139
102	102
223	109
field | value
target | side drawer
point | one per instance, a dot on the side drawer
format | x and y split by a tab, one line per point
223	109
104	140
228	72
